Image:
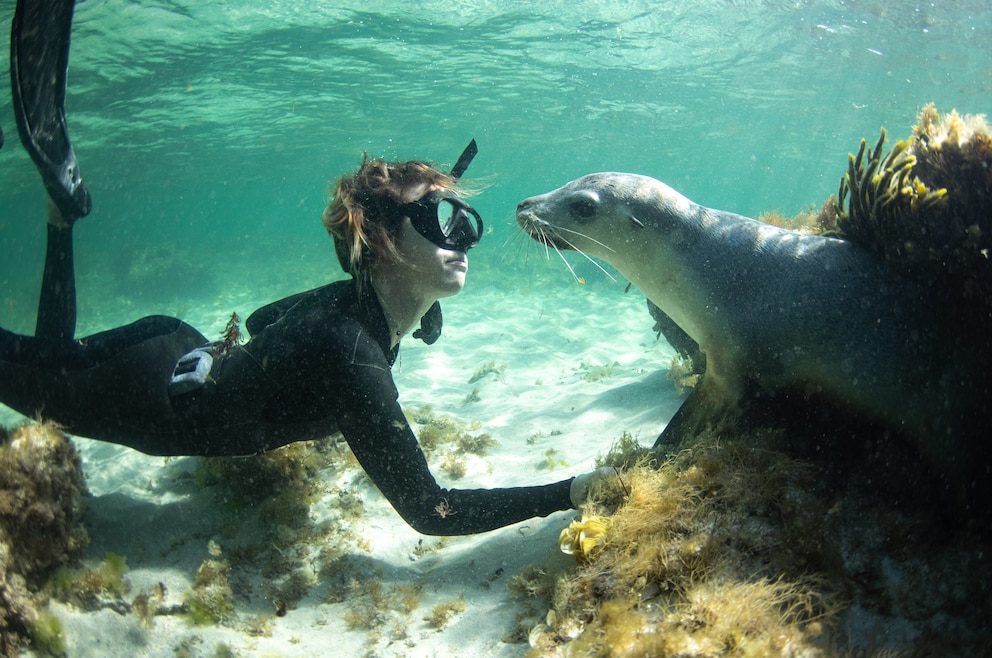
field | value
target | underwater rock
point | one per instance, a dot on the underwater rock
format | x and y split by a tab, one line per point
41	481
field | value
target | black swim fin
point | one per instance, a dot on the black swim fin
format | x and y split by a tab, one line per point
39	58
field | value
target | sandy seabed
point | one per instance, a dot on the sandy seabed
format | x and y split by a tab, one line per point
555	379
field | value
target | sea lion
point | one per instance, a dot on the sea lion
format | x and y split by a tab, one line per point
775	310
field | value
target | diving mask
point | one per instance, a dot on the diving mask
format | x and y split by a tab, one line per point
444	219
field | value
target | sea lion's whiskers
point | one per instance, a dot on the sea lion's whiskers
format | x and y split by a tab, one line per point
534	234
584	255
522	238
581	235
545	240
564	260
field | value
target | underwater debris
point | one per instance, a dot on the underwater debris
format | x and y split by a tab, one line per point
926	206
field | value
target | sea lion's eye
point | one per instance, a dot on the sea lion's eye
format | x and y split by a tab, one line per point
583	206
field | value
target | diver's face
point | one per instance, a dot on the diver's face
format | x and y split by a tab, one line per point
431	270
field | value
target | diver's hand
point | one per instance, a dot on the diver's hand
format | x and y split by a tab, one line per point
582	484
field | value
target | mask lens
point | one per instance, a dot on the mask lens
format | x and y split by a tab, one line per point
460	224
447	216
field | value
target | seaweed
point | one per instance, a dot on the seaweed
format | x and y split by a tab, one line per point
625	452
280	484
436	431
210	600
490	367
598	373
552	460
690	554
684	373
925	207
101	586
47	634
453	466
230	338
443	612
478	444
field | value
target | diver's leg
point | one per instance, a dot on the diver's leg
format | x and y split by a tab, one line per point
57	302
112	386
39	57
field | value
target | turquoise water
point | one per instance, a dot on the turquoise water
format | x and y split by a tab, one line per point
207	131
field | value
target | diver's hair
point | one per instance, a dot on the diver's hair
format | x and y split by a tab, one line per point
361	214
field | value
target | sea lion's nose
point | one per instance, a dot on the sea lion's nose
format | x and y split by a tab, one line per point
523	205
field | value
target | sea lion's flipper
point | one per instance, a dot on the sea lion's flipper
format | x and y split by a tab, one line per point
706	408
683	424
39	57
683	343
711	408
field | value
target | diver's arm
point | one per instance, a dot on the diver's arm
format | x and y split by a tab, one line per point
371	420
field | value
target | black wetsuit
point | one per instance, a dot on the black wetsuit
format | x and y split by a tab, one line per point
316	362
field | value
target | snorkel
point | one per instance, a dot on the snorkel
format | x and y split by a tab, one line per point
464	160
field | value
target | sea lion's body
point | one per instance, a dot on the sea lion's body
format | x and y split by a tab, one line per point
774	309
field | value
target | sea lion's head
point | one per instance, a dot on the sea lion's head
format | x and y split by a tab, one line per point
598	213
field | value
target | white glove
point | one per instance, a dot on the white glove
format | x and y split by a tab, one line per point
582	484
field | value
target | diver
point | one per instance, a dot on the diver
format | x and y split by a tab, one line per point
316	362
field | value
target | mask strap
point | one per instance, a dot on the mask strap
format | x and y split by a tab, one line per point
464	160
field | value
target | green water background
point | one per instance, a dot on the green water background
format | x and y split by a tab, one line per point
208	131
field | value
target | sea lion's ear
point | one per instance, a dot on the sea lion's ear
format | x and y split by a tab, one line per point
638	223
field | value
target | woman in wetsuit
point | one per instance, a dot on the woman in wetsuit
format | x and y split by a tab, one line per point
316	362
